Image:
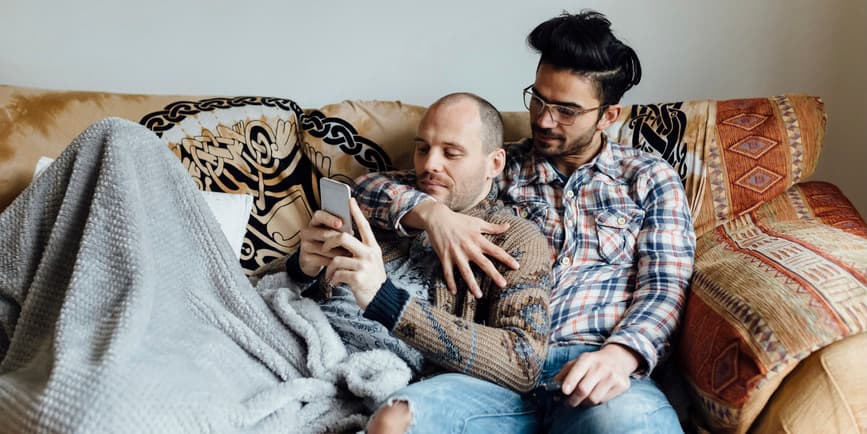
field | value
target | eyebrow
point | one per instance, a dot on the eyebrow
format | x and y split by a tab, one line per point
563	103
447	144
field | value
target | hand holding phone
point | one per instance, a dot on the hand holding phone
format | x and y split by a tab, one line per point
335	197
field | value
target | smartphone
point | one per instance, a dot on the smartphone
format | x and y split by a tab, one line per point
335	199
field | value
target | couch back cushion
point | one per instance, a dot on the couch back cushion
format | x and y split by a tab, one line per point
732	155
246	145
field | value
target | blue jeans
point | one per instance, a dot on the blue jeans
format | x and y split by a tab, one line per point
458	403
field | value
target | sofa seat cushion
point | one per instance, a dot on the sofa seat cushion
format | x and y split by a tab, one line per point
765	295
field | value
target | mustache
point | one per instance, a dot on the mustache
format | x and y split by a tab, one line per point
430	177
546	132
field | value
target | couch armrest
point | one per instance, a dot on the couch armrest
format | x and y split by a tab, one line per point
765	295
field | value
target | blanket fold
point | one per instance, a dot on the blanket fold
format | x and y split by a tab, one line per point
123	309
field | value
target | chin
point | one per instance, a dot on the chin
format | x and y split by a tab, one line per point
546	148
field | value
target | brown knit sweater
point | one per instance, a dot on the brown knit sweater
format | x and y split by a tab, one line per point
501	337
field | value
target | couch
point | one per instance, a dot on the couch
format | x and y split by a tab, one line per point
773	334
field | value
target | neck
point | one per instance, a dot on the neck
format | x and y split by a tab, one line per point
567	164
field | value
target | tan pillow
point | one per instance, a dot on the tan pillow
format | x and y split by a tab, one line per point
38	122
246	145
352	138
826	393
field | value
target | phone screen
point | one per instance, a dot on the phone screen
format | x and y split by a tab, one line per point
335	199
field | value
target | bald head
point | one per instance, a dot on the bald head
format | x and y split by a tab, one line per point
491	131
458	150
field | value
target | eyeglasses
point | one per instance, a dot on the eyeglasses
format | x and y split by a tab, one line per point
562	114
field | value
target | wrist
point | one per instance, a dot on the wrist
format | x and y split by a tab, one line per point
627	360
310	271
420	216
364	298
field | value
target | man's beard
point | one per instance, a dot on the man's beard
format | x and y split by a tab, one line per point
577	146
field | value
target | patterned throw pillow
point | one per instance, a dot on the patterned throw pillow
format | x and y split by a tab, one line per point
732	155
234	145
765	295
246	145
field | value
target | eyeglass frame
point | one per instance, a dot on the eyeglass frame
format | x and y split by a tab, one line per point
545	106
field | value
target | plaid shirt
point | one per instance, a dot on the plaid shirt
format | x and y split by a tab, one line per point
620	234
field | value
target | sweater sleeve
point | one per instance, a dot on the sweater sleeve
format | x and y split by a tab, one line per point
508	345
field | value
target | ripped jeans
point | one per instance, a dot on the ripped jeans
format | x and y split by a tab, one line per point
457	403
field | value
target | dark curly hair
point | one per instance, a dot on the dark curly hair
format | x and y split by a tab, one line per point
584	44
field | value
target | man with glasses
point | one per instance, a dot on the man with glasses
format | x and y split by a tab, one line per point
619	230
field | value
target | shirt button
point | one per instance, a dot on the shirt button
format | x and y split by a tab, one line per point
621	220
569	223
570	194
564	261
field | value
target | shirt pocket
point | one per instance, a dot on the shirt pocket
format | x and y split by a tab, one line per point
617	232
535	211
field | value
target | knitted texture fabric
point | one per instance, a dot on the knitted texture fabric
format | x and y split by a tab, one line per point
123	309
501	337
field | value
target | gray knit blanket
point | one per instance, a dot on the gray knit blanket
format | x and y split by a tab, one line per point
123	309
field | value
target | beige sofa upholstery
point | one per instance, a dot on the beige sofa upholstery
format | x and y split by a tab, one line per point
773	335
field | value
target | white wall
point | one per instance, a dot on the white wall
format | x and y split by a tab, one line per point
318	53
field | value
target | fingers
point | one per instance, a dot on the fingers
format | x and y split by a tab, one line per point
488	268
361	223
575	374
564	371
499	254
345	241
586	381
338	264
469	278
313	242
585	387
448	274
326	220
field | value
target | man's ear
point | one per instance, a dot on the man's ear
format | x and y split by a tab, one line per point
609	115
497	162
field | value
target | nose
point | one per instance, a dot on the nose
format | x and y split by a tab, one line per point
545	119
432	162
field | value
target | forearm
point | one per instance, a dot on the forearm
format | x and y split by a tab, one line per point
665	256
386	198
648	325
511	356
508	350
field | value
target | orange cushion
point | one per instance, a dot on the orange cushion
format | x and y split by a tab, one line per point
765	295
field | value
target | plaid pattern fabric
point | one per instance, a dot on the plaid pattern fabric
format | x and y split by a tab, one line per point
620	234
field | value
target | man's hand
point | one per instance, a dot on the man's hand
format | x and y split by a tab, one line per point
458	240
599	376
313	256
364	271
